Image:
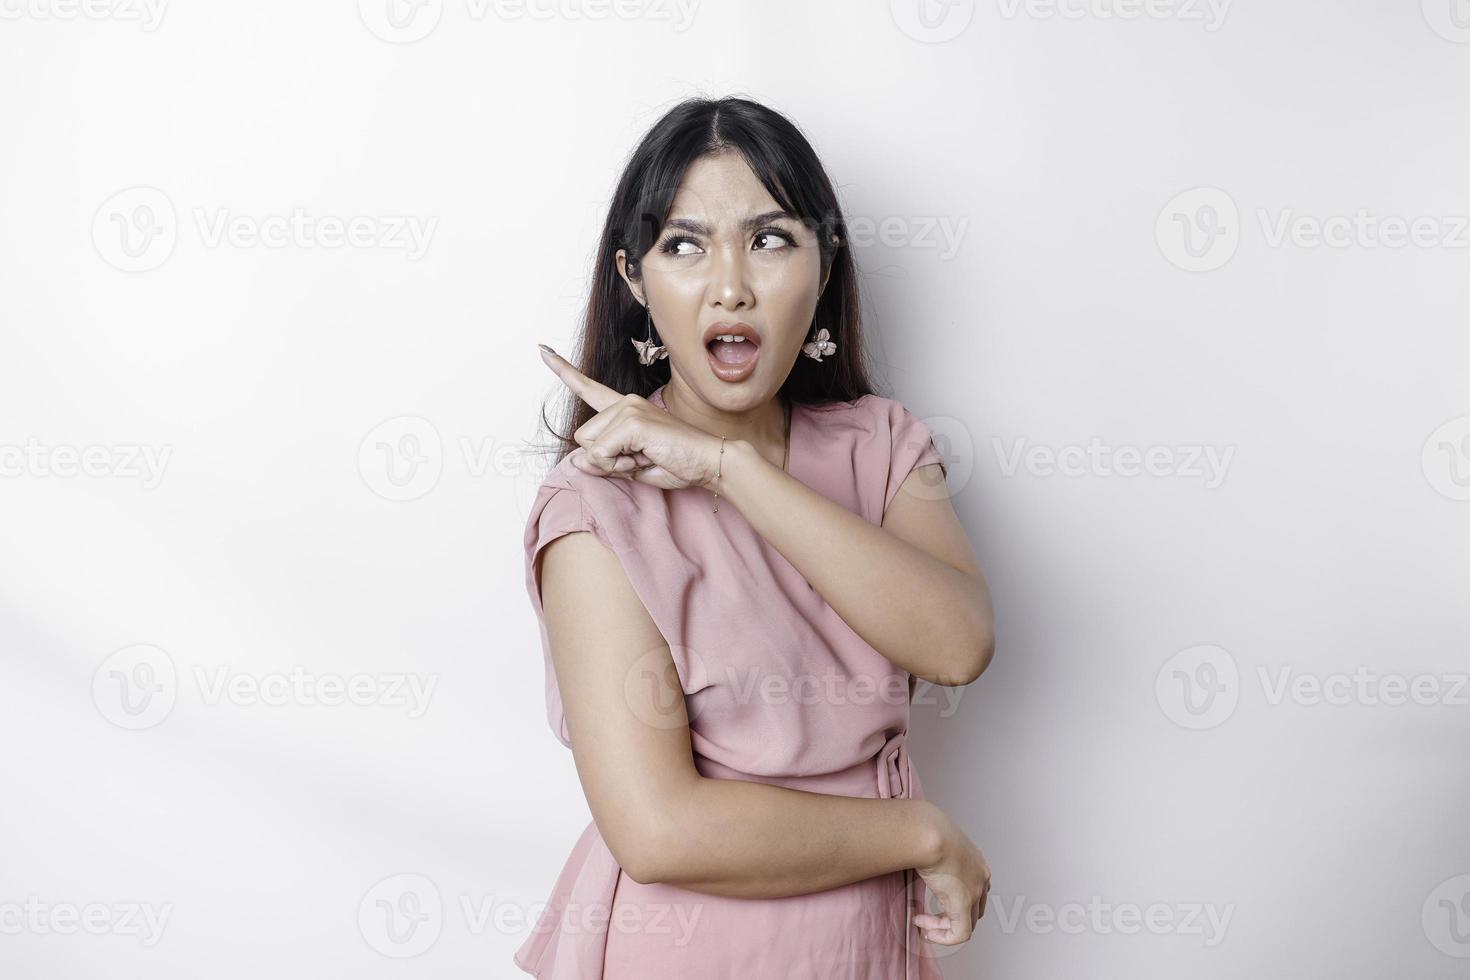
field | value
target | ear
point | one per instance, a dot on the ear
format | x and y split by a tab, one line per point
827	273
621	258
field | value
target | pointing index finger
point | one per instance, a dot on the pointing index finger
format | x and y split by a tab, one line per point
598	395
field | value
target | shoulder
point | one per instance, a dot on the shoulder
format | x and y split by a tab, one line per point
569	499
873	415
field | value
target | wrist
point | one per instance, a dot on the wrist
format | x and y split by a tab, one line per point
933	837
728	459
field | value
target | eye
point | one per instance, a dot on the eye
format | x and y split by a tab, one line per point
670	245
768	233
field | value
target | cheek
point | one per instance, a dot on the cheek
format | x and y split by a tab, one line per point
788	284
675	295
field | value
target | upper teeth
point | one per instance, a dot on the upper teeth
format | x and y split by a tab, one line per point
730	338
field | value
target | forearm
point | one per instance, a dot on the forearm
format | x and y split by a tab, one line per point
753	840
925	616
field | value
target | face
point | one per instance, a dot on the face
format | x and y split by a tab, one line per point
728	255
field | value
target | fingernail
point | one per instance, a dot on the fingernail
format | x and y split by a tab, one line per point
546	349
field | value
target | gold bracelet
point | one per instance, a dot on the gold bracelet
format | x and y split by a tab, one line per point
719	468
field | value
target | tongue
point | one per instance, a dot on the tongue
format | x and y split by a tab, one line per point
739	353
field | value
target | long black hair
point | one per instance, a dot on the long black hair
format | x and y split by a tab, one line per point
787	166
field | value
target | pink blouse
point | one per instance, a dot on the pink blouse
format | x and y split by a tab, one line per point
778	689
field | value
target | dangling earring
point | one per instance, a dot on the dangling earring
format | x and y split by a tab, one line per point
819	345
648	351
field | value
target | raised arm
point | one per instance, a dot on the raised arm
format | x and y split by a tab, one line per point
660	817
911	587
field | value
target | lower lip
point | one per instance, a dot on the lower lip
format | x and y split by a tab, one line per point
732	372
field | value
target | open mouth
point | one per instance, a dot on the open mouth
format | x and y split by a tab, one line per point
734	349
733	358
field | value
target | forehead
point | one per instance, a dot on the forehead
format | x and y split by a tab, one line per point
721	188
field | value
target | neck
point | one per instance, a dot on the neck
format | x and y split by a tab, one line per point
763	425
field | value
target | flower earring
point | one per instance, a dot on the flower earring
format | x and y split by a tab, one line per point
820	345
648	351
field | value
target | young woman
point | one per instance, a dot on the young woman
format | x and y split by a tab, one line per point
741	562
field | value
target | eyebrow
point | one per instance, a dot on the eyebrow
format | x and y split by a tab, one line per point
749	224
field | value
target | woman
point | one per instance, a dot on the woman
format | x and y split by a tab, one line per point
769	561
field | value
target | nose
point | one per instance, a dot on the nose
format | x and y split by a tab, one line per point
729	286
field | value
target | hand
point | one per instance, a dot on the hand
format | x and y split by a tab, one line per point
632	438
961	880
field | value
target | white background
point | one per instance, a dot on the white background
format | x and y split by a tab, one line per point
1053	142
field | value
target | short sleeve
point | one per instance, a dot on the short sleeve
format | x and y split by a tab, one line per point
631	520
911	444
557	510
